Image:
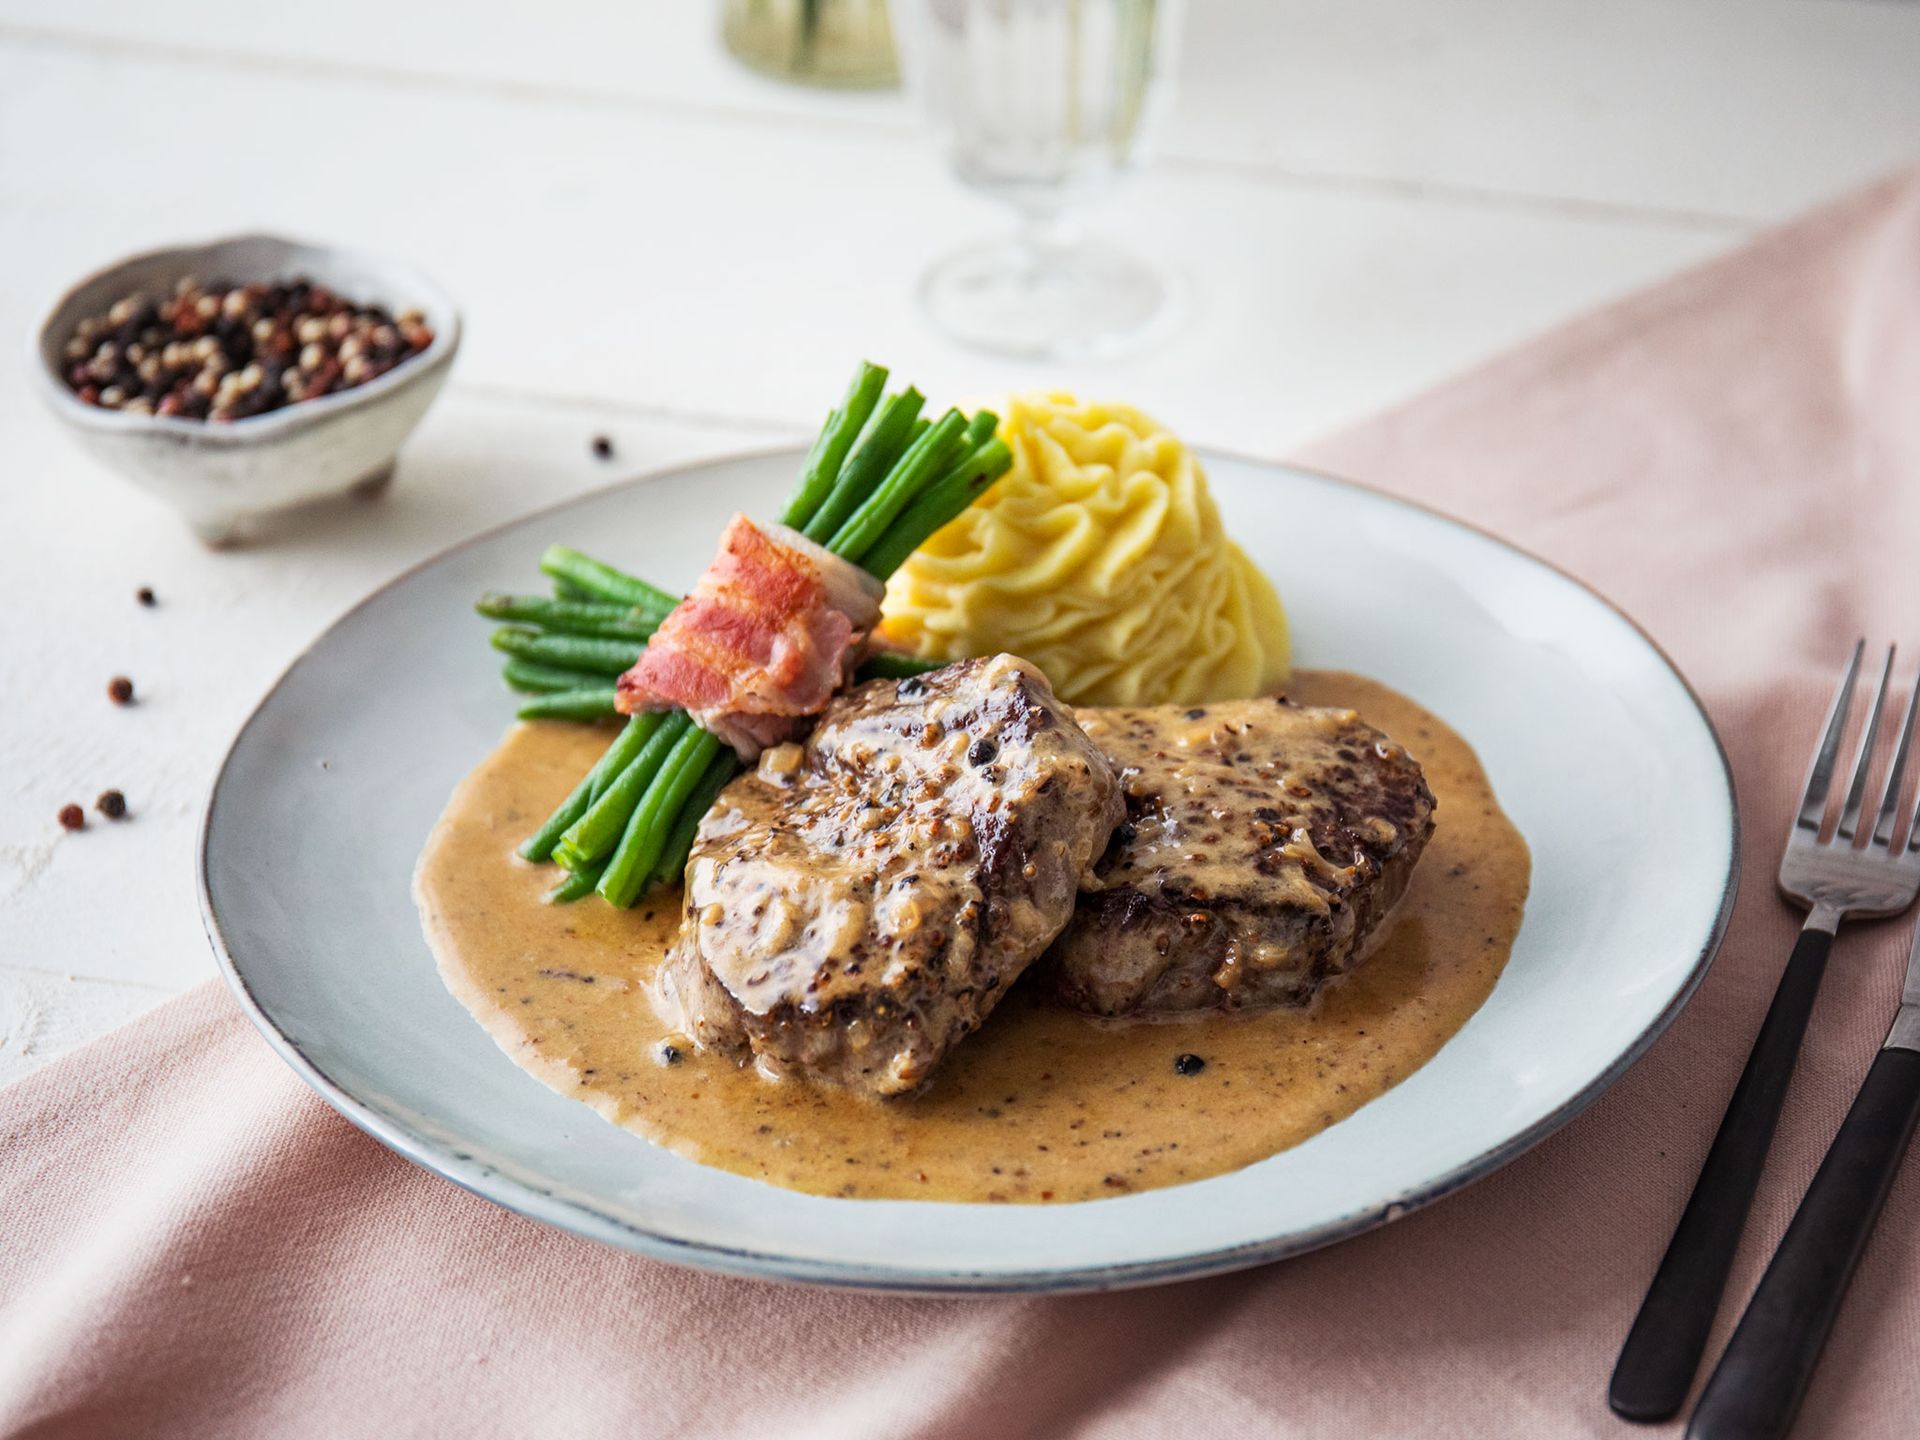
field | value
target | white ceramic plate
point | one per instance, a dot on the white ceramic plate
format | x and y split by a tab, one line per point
1596	747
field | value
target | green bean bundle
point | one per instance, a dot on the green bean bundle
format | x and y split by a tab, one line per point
879	480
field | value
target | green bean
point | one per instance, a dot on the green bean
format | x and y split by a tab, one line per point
632	864
604	776
603	581
567	590
590	703
886	438
988	459
571	617
577	886
980	429
673	857
926	459
595	833
626	745
937	506
537	679
836	438
814	476
573	652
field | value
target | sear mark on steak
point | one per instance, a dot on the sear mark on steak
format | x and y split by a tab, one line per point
1264	845
858	905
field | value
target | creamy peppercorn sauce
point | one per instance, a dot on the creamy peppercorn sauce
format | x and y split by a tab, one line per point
1043	1104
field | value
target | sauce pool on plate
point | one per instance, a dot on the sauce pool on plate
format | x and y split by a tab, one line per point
1043	1104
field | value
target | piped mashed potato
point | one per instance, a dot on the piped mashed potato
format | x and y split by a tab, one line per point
1101	558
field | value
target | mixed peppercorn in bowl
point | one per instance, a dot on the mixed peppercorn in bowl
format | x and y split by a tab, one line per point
225	352
290	372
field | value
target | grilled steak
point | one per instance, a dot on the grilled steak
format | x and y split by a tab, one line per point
855	907
1264	844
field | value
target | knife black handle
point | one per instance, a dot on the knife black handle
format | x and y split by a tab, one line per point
1662	1351
1757	1387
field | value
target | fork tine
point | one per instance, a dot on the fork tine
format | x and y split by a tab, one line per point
1863	762
1897	772
1813	803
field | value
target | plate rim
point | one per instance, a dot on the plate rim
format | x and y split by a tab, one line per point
581	1219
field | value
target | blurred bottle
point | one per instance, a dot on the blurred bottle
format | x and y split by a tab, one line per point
839	44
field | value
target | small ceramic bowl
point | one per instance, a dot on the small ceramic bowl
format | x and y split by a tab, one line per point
223	475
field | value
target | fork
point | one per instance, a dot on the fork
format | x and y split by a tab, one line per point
1837	879
1756	1389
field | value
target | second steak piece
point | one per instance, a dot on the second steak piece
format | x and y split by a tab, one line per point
1265	843
857	906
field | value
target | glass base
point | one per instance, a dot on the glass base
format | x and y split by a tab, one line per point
1048	301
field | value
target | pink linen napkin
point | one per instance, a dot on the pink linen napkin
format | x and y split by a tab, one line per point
195	1246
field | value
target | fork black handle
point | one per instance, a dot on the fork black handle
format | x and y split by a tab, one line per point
1657	1364
1757	1387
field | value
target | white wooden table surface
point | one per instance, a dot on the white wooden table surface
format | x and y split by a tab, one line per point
648	241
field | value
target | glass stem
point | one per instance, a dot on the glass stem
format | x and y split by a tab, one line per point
1047	237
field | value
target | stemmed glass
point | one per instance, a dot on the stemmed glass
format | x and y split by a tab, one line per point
1042	103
